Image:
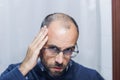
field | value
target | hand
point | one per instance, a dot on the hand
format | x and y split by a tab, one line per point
33	51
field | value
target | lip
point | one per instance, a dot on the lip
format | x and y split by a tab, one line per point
57	68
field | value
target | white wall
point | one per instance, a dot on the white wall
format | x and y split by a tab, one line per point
20	21
106	38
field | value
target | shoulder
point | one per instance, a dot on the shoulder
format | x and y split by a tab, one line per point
82	68
84	72
10	67
12	73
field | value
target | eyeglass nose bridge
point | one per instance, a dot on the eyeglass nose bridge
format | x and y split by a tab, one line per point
63	51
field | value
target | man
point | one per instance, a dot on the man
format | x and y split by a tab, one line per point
55	45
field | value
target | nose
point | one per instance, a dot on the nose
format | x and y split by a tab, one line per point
59	58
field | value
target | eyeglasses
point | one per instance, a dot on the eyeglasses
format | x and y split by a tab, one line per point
68	52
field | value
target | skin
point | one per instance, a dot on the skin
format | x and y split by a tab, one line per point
62	37
33	51
58	35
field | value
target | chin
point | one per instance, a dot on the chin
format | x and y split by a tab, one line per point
56	73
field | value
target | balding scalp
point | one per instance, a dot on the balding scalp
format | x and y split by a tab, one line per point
64	18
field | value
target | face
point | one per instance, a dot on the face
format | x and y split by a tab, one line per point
62	38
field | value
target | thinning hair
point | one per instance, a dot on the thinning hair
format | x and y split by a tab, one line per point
59	16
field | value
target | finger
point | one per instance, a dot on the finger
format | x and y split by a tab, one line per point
39	33
40	39
40	36
43	42
39	47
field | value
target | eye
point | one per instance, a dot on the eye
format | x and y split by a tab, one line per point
68	50
53	48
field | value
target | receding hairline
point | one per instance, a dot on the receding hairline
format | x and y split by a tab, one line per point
61	17
64	18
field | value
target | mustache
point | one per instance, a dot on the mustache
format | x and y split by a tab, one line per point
57	65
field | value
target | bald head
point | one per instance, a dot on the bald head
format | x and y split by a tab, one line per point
63	19
60	34
62	29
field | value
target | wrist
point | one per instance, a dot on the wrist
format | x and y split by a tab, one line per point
23	69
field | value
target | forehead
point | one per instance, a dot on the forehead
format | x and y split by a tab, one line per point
62	35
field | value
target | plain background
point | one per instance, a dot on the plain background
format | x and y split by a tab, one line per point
20	21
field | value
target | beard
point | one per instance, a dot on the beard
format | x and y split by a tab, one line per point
54	70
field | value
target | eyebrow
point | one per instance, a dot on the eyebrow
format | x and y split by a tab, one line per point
60	47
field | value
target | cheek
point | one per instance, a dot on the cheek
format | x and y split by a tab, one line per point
47	60
66	61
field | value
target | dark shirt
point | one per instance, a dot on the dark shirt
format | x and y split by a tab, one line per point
74	72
